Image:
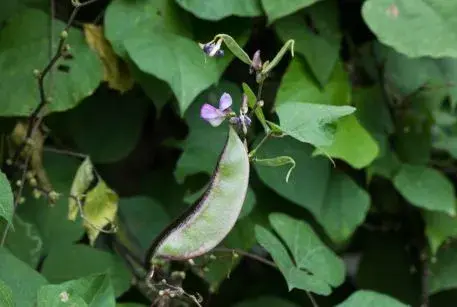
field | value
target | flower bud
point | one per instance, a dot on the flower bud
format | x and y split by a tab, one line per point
256	61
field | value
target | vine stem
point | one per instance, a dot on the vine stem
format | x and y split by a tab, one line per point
254	151
16	200
261	260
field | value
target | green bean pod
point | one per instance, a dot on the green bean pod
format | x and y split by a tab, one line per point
208	221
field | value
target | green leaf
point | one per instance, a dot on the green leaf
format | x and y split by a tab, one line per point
52	222
426	188
278	9
218	9
263	301
185	72
352	144
76	261
24	50
22	279
124	18
424	20
81	183
6	295
142	219
314	266
100	208
443	270
439	227
320	47
24	242
336	201
105	120
310	123
6	199
95	290
298	84
204	143
367	298
278	161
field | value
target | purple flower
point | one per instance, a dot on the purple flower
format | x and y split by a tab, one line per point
212	49
215	116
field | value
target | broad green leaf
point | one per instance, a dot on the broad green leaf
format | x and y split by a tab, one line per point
142	219
124	18
157	90
100	208
313	255
406	75
218	9
105	120
352	144
263	301
83	179
6	199
367	298
295	278
298	84
52	222
185	72
426	188
76	261
204	142
314	266
443	270
309	122
336	201
320	47
424	20
439	227
92	291
24	242
277	9
6	295
24	50
383	256
22	279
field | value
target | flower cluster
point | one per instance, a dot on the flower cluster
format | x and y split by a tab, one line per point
215	116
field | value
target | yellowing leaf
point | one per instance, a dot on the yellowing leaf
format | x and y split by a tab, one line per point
32	149
81	182
100	209
115	72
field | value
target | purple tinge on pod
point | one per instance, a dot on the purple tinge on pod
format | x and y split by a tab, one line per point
215	116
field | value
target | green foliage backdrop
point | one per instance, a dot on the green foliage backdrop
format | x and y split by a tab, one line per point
102	145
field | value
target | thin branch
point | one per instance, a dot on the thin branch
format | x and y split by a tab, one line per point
65	152
17	199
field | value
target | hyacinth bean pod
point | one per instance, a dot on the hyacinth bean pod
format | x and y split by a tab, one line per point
208	221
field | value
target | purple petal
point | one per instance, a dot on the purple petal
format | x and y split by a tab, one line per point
212	115
225	102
